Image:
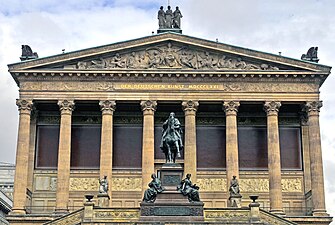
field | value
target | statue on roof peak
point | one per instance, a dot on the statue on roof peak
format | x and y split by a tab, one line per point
168	19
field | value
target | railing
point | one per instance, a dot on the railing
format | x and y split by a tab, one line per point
294	211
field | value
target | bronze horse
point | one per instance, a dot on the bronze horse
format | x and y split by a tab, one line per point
171	143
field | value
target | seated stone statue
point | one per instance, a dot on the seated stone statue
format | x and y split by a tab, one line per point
155	187
234	188
235	196
188	189
103	188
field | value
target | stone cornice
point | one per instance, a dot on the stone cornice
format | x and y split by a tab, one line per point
183	39
171	76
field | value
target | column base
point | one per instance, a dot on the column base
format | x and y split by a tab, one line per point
278	212
18	211
61	211
320	212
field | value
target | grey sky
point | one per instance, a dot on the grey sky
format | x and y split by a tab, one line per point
49	26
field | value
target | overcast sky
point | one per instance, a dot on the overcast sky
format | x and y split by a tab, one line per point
286	26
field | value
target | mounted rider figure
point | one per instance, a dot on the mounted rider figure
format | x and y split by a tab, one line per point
172	133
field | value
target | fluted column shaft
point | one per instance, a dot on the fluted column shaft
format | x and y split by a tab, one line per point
22	153
274	166
64	155
232	166
190	146
317	182
148	147
106	148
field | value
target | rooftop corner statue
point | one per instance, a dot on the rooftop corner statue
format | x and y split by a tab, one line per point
168	19
171	142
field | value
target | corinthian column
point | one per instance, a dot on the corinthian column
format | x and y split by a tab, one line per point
318	192
148	147
106	149
190	146
22	153
274	166
64	155
232	167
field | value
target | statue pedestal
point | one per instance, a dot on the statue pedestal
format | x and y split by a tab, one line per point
171	175
176	30
172	206
103	200
235	201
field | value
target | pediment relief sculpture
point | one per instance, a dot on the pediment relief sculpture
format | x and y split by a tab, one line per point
172	57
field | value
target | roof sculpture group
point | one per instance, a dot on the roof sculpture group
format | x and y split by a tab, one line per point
168	19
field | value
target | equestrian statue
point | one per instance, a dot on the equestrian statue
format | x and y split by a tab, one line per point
171	142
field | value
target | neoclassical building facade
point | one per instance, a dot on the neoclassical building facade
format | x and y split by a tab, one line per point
99	111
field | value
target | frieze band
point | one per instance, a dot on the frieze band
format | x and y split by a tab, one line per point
225	87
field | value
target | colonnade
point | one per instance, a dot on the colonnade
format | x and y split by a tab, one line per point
190	162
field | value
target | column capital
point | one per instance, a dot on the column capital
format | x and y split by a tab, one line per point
148	106
25	106
107	106
231	107
272	108
66	106
190	106
303	118
313	108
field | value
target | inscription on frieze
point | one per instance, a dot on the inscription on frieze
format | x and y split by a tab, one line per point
224	87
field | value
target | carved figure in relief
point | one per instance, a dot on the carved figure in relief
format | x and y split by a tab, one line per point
188	189
82	65
207	61
168	17
131	61
155	187
117	62
170	56
187	59
171	142
176	18
98	63
173	57
161	18
240	64
103	188
155	59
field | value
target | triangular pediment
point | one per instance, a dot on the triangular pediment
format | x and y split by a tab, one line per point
168	51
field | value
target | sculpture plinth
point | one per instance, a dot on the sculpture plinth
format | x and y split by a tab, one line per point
103	200
171	174
163	30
